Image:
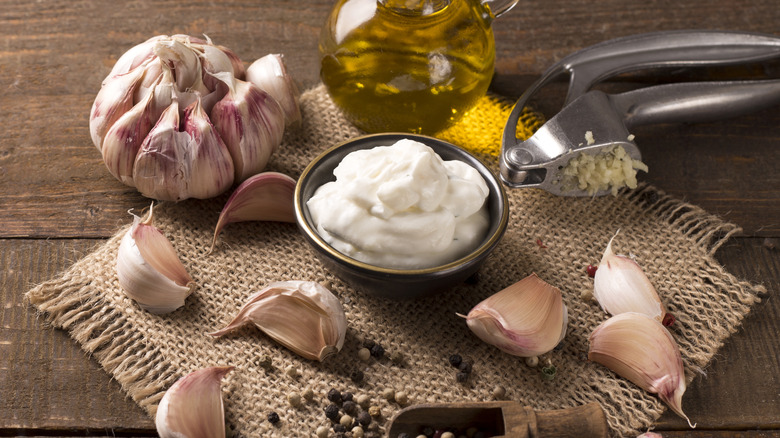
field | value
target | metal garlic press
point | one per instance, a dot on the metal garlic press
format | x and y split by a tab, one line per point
592	121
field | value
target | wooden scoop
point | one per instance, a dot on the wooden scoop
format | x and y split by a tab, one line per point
502	419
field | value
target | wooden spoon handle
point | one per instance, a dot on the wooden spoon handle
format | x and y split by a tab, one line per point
587	420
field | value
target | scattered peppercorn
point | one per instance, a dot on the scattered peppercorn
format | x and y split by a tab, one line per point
364	401
549	371
347	396
273	418
357	376
377	351
499	392
357	432
455	360
447	434
401	397
397	358
339	428
368	343
323	432
350	407
591	270
462	377
334	395
346	421
388	394
291	371
364	418
295	399
364	354
332	412
466	366
308	394
374	411
532	361
266	363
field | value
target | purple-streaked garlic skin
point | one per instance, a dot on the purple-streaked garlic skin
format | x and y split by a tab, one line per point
192	407
267	196
178	71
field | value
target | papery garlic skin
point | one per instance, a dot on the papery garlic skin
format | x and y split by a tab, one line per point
193	407
267	196
303	316
270	75
640	349
149	270
236	120
621	286
527	319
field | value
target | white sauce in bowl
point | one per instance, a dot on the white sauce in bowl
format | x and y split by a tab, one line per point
402	206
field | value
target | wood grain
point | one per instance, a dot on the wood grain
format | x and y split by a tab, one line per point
57	200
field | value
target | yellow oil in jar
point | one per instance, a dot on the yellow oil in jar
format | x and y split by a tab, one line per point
392	67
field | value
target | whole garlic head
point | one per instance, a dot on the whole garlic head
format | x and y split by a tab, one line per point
175	119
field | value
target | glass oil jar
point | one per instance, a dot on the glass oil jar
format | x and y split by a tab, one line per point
408	65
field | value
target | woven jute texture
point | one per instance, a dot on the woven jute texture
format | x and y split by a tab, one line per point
554	237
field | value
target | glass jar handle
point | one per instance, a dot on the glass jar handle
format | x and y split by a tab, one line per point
499	7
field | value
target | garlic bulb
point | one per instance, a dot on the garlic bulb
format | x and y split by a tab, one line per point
192	407
267	196
175	119
621	286
526	319
149	270
638	348
303	316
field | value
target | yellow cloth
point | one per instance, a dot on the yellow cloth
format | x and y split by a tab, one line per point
481	128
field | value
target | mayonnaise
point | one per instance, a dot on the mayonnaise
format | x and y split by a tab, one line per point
402	206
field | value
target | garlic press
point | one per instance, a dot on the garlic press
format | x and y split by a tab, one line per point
592	121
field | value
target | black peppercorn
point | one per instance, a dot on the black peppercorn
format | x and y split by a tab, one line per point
368	343
377	351
332	412
350	408
273	418
357	376
461	376
466	366
334	395
455	360
339	428
346	396
364	418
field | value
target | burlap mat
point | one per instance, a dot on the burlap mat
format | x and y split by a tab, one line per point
554	237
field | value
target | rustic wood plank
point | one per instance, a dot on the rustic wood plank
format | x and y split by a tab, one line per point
46	380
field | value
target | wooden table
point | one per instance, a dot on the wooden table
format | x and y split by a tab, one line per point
57	199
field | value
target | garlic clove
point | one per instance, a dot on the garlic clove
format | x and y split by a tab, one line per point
303	316
134	57
124	139
267	196
173	165
526	319
250	122
638	348
621	286
193	407
149	270
114	99
270	75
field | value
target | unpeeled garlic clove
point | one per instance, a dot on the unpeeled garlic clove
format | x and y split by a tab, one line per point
114	99
303	316
175	164
267	196
149	270
123	141
192	407
621	286
526	319
250	122
638	348
270	74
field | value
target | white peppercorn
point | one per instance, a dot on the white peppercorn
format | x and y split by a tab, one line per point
364	354
308	394
294	399
388	394
357	432
364	401
346	420
291	371
532	361
448	435
401	397
323	432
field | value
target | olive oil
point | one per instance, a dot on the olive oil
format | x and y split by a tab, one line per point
390	66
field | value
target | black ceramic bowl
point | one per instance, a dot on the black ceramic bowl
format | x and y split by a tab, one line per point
397	283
